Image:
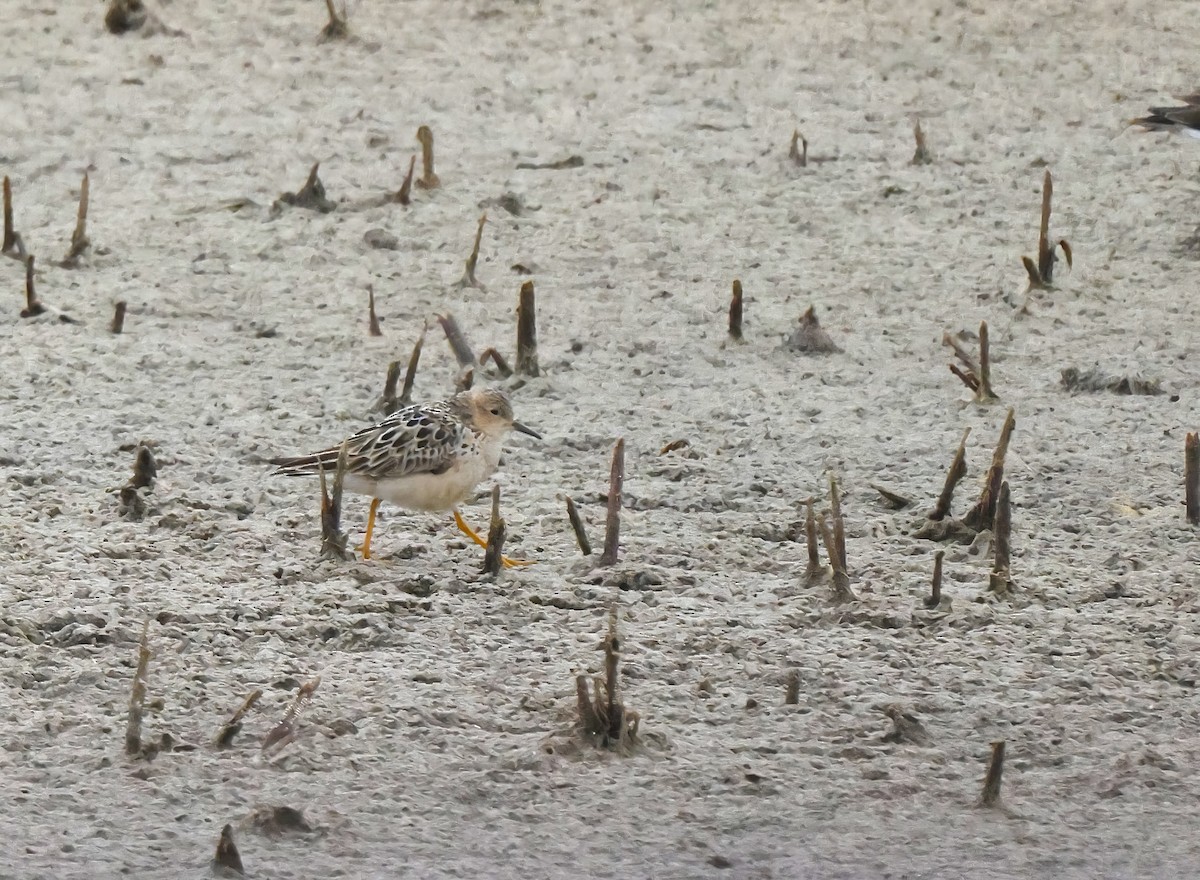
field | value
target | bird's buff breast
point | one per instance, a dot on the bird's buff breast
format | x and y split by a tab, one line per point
432	492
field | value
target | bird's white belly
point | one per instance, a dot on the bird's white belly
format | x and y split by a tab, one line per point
433	492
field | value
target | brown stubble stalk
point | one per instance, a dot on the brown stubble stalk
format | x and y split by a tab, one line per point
137	695
1000	581
501	362
493	555
469	279
603	717
458	342
33	305
10	235
233	726
333	539
372	318
118	321
612	525
581	538
79	239
921	155
1045	260
527	354
991	781
985	391
428	179
404	194
798	150
977	377
791	696
841	580
815	570
735	312
958	470
227	859
283	732
1191	477
839	523
983	514
131	498
935	594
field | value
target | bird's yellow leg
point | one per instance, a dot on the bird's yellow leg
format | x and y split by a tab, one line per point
474	536
366	544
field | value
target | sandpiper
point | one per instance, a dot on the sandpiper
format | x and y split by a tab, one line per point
1184	120
423	456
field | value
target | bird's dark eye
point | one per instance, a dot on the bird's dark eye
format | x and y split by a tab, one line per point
495	411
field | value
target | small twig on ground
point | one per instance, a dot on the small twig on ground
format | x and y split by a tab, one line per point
935	594
493	554
1191	477
983	514
227	859
464	380
905	728
798	150
991	782
815	570
310	196
333	539
839	522
372	319
791	696
336	28
958	470
581	538
10	235
458	342
735	312
976	377
79	239
841	580
137	695
491	354
283	732
1041	273
527	355
233	726
410	374
921	155
33	305
404	194
612	525
132	497
428	179
469	279
999	582
118	321
604	720
389	402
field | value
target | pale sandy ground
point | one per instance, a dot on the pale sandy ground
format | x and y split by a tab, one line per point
462	764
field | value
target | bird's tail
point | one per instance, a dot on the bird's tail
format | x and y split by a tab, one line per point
306	465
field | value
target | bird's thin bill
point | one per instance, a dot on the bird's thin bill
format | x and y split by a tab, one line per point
525	429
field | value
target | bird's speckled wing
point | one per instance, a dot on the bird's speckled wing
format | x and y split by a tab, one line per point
418	439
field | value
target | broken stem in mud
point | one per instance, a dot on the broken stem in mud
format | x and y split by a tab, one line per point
839	523
612	525
791	696
118	321
815	570
999	581
410	374
469	279
137	695
79	239
10	235
985	391
935	594
798	151
428	179
991	782
227	858
283	732
735	312
333	539
493	554
921	155
372	319
841	580
1191	477
602	715
581	538
404	194
983	514
233	726
389	402
33	305
458	342
527	355
958	470
132	498
491	354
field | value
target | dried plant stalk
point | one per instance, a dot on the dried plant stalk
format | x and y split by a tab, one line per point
612	526
131	498
79	239
227	858
798	151
958	470
469	279
581	538
791	696
999	582
33	305
372	319
527	355
991	782
458	342
491	354
935	595
841	580
1045	262
985	391
283	732
10	235
233	726
493	554
921	155
839	523
428	179
404	194
118	321
333	539
735	312
137	695
410	374
983	514
815	570
603	717
389	401
1191	477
